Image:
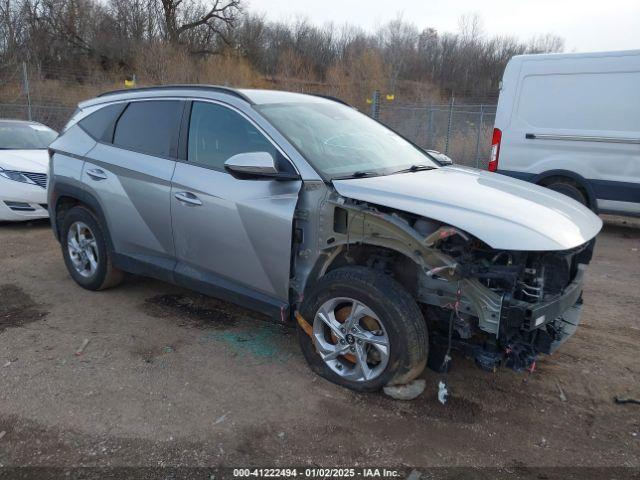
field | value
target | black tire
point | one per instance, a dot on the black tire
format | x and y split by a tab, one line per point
569	190
105	275
398	311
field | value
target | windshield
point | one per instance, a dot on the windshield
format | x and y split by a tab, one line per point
25	136
340	142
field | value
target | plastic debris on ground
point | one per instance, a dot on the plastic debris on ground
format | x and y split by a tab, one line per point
408	391
443	393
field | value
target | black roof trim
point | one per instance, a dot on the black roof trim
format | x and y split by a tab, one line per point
216	88
329	97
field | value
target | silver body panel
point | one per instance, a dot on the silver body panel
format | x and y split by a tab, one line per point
135	197
241	231
505	213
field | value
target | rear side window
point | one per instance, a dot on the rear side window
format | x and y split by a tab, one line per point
582	101
217	133
100	123
150	127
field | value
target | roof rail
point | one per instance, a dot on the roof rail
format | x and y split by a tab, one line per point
329	97
218	88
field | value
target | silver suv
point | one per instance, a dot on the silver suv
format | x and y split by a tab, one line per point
300	207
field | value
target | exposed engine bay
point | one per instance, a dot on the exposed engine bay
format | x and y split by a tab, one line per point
499	307
540	301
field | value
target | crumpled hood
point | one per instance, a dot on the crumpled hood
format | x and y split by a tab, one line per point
505	213
36	161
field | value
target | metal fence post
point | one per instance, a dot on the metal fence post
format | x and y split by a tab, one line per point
479	135
446	142
375	105
430	126
25	79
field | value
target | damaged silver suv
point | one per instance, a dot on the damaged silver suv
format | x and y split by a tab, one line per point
300	207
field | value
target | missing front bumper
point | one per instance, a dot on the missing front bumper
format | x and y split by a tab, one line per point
519	347
560	330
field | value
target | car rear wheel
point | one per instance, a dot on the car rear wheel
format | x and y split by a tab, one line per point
85	251
362	330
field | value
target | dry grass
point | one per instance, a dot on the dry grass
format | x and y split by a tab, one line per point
354	79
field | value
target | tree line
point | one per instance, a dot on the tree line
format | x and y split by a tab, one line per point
199	40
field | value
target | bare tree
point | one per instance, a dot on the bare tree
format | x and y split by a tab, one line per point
547	43
134	19
200	20
170	39
398	41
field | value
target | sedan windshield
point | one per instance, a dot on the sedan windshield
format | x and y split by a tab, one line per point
340	142
25	136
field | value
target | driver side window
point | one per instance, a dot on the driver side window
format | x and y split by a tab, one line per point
217	133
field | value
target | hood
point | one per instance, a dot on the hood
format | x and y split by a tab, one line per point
505	213
36	161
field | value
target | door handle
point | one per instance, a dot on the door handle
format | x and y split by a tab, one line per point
188	198
97	174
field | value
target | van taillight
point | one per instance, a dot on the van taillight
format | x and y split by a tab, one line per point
495	149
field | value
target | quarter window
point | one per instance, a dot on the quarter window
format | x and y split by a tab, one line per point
150	127
217	133
100	123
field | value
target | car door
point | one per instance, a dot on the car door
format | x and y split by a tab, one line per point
232	236
130	173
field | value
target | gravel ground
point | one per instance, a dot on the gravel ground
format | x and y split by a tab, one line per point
171	378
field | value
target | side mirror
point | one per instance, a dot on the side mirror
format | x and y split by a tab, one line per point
440	157
255	165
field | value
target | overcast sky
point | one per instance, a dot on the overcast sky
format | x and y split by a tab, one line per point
586	25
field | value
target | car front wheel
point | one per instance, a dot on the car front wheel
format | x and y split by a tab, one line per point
362	330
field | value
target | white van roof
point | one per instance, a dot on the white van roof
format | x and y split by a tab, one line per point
564	56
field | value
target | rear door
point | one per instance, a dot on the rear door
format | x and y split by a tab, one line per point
232	236
130	171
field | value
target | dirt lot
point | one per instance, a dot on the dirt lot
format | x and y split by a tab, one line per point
172	378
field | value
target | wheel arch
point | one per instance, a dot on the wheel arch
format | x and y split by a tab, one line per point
545	178
69	196
393	262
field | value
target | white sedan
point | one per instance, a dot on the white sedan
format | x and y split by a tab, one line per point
24	162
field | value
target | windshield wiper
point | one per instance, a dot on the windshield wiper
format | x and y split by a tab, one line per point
358	174
416	168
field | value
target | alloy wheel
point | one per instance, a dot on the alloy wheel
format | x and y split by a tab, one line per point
351	339
83	249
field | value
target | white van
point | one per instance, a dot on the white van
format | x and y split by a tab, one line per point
571	122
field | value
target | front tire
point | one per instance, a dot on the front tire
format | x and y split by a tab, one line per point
366	330
85	252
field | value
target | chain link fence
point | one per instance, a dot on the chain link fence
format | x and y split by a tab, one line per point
462	131
53	116
50	96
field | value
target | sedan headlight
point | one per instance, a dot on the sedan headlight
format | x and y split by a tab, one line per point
15	176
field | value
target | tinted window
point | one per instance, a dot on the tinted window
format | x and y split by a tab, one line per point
100	123
150	127
217	133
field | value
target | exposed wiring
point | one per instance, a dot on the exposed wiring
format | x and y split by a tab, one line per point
443	391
